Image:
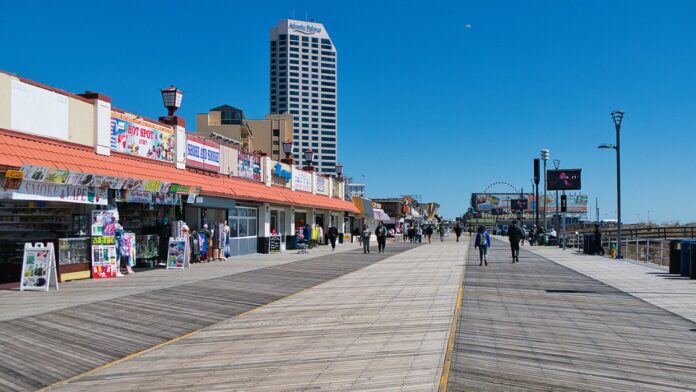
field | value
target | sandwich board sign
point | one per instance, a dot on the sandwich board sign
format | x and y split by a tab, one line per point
178	254
39	267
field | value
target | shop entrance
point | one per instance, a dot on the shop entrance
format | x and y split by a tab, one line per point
243	222
278	225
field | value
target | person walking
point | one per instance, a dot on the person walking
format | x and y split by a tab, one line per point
429	233
458	231
532	235
333	234
419	234
598	249
405	231
443	232
515	235
365	237
524	235
482	242
381	233
412	233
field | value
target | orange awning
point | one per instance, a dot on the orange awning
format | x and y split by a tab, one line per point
17	149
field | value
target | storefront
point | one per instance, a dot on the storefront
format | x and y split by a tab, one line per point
243	222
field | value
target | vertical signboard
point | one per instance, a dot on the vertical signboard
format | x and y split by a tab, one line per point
249	166
38	267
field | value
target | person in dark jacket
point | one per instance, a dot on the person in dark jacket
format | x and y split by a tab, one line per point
381	234
307	232
515	235
458	231
333	234
598	250
429	233
482	242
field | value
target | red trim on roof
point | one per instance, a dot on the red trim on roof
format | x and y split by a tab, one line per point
17	149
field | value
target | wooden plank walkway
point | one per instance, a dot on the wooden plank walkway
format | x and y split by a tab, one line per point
514	335
45	348
384	327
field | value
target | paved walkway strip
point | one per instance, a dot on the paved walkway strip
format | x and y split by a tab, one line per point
45	348
383	327
538	326
652	284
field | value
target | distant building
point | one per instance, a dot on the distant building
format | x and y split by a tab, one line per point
261	136
303	83
353	188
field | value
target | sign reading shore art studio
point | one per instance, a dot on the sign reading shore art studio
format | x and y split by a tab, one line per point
141	138
202	153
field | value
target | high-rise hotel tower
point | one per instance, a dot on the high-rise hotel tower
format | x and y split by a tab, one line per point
303	83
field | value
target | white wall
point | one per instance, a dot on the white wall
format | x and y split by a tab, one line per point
38	111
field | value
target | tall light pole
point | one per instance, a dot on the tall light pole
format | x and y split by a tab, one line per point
617	116
556	165
545	154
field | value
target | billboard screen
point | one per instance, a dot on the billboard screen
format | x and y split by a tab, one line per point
563	179
498	203
519	205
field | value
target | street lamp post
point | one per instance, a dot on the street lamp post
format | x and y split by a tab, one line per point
617	116
545	154
536	192
309	158
556	165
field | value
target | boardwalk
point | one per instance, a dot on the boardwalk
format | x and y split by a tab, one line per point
383	327
538	326
48	347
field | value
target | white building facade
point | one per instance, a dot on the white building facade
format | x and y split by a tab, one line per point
303	73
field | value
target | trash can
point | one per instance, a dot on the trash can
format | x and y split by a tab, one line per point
686	258
588	243
675	256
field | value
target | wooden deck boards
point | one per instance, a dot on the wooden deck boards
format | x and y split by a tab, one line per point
513	335
46	348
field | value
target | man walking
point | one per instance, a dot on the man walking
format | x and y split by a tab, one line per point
515	235
458	231
365	235
333	234
443	231
482	242
429	232
381	233
598	250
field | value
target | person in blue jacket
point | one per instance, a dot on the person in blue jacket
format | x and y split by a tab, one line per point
482	242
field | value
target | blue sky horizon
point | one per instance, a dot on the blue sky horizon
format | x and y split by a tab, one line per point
425	105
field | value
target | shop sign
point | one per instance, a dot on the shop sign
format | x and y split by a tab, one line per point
274	244
139	197
202	153
302	180
143	139
58	176
176	188
176	254
144	197
249	166
321	185
281	174
13	179
153	186
38	267
29	190
168	199
336	186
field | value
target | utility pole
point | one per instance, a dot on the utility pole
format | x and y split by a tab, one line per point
536	190
545	154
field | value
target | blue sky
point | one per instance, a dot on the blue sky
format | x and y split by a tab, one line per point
426	106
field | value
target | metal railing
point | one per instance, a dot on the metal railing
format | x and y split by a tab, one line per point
650	250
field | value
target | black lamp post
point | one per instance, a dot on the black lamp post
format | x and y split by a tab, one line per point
617	116
171	96
309	158
339	172
287	150
556	165
545	154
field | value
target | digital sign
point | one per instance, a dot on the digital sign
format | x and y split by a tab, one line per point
563	179
518	204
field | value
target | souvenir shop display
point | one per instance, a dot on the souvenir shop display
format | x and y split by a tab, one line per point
105	262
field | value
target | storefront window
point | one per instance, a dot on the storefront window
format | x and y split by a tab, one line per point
243	222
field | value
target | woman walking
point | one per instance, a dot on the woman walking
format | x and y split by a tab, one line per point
482	242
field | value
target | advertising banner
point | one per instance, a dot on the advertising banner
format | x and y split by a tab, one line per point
249	166
322	186
38	267
141	138
576	204
176	254
337	189
13	179
104	263
493	202
104	222
302	180
563	179
30	190
202	153
281	174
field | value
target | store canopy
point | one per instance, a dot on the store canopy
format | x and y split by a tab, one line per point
363	206
380	215
17	149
